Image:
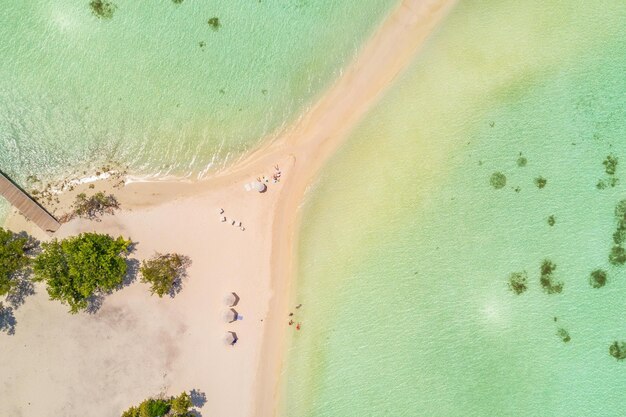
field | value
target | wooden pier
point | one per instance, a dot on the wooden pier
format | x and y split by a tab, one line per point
29	208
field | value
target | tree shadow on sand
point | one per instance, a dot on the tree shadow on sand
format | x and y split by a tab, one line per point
132	270
7	320
198	398
177	284
24	287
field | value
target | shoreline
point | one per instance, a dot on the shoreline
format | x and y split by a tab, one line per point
301	150
396	41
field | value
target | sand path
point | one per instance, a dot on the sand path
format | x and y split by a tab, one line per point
138	345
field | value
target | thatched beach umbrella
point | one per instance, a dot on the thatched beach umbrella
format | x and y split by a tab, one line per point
231	315
231	338
232	299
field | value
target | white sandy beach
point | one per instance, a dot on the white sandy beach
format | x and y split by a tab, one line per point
138	345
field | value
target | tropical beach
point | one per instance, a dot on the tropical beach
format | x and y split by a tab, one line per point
402	235
238	239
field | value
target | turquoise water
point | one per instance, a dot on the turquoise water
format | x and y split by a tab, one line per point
406	249
157	89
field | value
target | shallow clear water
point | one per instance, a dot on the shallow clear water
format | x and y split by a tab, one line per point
406	249
155	87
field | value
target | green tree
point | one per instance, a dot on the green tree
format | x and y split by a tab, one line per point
154	407
160	407
131	412
79	267
181	405
96	205
13	259
164	272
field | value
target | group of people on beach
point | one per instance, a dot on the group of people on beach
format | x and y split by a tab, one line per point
275	176
291	321
223	219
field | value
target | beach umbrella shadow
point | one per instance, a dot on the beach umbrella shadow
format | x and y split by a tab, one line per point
232	299
231	338
231	316
198	398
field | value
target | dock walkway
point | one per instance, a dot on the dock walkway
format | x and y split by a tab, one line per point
29	208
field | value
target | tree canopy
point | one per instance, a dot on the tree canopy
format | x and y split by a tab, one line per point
78	267
164	272
160	407
13	259
96	205
610	164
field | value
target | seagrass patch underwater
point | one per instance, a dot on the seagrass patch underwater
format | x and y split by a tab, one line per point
431	287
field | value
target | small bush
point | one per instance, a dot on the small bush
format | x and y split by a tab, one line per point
96	205
522	161
497	180
164	273
162	407
551	220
